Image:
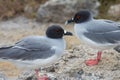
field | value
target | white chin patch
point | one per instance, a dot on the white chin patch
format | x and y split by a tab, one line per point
65	31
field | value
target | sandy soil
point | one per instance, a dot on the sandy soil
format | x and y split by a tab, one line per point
71	66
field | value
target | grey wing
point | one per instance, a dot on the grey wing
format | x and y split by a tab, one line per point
29	50
34	42
103	26
105	31
111	37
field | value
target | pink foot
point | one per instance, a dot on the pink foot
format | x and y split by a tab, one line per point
93	62
42	78
45	77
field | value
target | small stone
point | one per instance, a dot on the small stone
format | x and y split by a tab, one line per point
118	57
80	72
51	68
29	78
116	67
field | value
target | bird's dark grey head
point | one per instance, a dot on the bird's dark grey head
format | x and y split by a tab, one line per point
55	31
81	16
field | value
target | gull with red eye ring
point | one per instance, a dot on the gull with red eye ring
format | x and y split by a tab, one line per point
97	33
33	52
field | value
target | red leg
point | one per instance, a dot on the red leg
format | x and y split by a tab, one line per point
99	55
93	62
40	77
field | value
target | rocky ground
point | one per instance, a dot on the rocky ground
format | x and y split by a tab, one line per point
70	67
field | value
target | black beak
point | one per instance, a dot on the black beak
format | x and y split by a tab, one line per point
68	33
69	21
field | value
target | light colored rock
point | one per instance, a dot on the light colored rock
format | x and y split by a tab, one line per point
61	10
114	10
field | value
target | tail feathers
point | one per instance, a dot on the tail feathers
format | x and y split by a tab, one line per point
3	51
11	53
5	47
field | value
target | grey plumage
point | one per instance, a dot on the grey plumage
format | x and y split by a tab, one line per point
98	33
102	26
37	51
29	48
103	31
104	37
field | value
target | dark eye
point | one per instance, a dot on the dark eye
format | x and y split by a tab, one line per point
57	30
78	17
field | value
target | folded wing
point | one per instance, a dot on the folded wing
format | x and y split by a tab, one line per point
104	31
29	48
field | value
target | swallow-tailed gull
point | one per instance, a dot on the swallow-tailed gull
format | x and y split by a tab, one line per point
37	51
98	33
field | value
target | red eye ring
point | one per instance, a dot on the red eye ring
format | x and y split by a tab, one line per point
78	17
57	30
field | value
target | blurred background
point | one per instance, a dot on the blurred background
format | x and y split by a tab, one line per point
43	10
20	18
